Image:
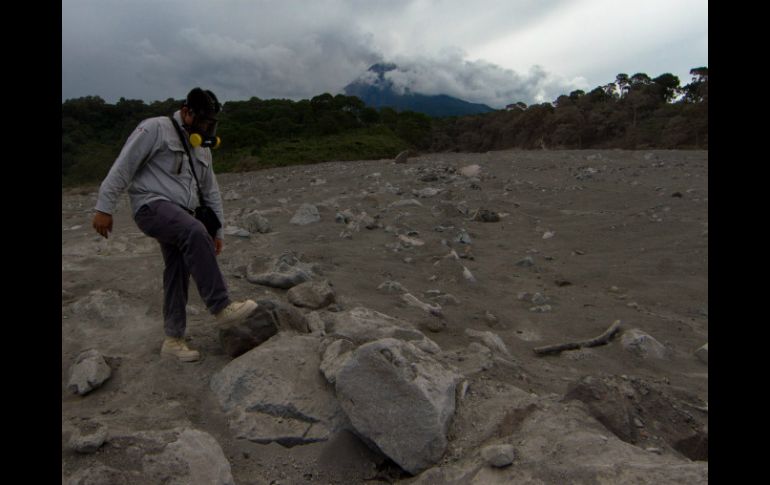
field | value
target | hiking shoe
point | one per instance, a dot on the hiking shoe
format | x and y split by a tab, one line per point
176	347
236	311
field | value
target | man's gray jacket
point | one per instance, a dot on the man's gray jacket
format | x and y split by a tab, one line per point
153	165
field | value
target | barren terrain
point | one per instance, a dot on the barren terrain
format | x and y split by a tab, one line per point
582	239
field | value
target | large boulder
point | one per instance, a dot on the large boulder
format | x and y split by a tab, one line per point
275	393
400	399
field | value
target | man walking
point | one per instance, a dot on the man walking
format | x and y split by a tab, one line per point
155	168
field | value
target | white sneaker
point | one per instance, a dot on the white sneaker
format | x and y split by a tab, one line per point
235	311
176	347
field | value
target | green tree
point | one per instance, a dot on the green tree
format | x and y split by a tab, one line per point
666	86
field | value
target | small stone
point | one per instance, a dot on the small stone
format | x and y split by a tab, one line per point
90	442
463	238
562	283
232	195
525	262
470	171
548	234
484	215
541	309
498	455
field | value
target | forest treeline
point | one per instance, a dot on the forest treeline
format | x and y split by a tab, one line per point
631	112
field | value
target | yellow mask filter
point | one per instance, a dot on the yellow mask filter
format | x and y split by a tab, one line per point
196	140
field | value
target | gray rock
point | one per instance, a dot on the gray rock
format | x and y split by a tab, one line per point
100	475
498	455
344	217
288	271
402	157
470	171
392	287
364	220
88	442
312	294
642	344
463	237
194	457
275	393
426	192
335	355
256	222
485	215
491	340
316	323
399	398
405	203
288	317
88	372
240	337
541	308
236	231
471	360
525	262
107	306
177	456
306	214
361	325
231	195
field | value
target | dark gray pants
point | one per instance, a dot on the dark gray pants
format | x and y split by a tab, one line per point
187	250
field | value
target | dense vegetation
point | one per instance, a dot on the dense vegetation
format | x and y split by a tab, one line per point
631	112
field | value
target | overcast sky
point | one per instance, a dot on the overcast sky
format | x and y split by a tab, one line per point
486	51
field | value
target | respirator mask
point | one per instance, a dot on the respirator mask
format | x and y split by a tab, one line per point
204	132
204	107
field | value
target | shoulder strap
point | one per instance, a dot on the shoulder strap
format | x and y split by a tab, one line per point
189	159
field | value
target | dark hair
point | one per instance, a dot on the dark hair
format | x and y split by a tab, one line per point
203	102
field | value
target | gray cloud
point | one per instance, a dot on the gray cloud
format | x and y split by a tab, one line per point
478	81
154	50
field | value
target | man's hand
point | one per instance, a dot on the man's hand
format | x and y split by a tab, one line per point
103	223
218	244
